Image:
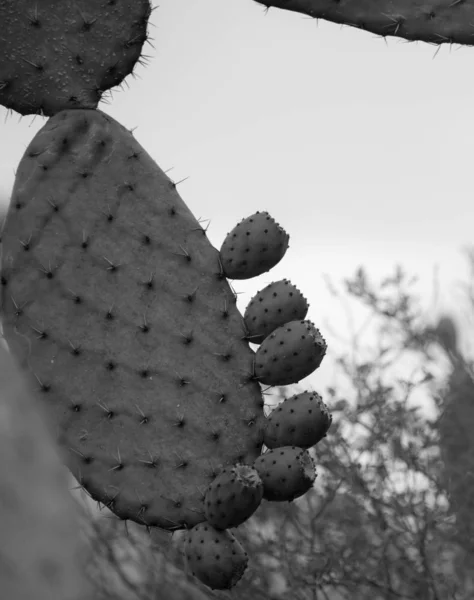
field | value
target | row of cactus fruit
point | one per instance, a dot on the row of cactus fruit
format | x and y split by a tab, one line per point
118	308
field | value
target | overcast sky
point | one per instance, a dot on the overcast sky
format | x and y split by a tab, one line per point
360	149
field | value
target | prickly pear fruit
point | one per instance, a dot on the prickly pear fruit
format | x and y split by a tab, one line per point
302	420
290	353
233	496
40	547
272	307
287	473
60	54
253	247
215	557
114	303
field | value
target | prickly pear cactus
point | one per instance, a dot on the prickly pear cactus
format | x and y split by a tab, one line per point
433	21
117	307
115	300
60	54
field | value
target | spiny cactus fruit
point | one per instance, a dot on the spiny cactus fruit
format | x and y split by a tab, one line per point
272	307
115	303
61	54
233	496
215	557
287	473
302	420
41	553
290	353
253	247
433	21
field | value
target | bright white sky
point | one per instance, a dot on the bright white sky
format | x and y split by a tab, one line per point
361	150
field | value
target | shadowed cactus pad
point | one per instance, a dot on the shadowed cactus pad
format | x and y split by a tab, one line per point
115	302
61	54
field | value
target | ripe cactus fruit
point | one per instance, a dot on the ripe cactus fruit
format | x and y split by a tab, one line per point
287	473
215	557
60	54
290	353
114	302
275	305
440	22
302	420
253	247
233	496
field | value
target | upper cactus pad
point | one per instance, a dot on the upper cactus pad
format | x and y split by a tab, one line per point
60	54
433	21
114	299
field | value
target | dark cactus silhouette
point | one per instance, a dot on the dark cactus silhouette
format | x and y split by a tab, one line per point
456	431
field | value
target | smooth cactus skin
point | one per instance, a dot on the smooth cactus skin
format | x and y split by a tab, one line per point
41	554
114	302
62	54
253	247
433	21
290	353
215	557
302	420
277	304
233	497
287	473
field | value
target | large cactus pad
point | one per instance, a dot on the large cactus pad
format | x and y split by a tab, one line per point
115	302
